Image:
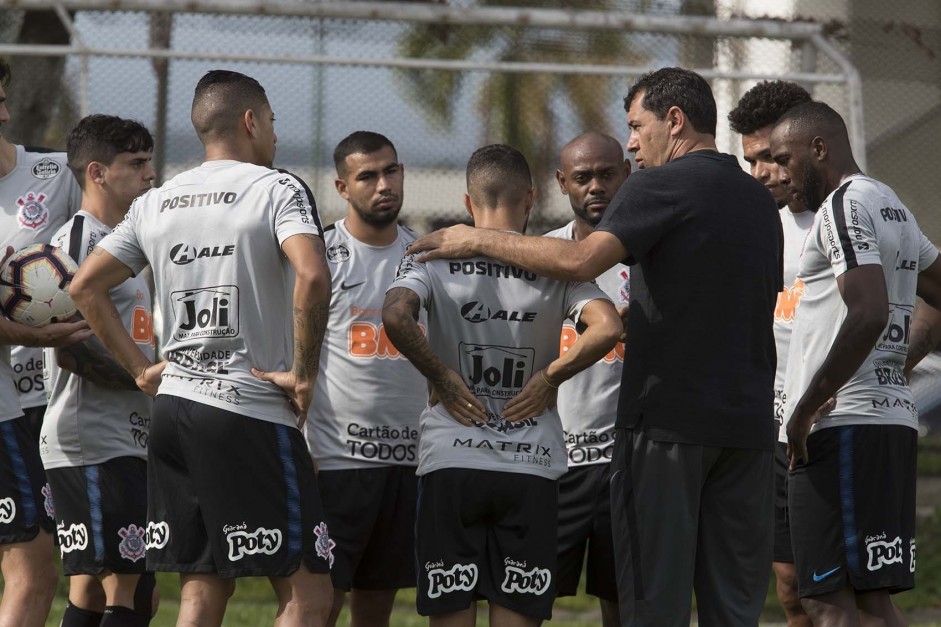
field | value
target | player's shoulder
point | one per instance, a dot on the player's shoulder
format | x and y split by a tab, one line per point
563	232
43	163
407	234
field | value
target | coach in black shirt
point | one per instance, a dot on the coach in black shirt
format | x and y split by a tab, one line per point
692	483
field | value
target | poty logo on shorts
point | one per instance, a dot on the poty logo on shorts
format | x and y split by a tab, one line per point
459	577
75	538
242	543
7	510
324	544
157	535
911	555
132	546
535	581
883	553
47	501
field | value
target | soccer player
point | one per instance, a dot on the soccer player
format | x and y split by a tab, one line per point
37	195
363	427
593	168
691	484
231	485
491	444
852	483
753	117
95	431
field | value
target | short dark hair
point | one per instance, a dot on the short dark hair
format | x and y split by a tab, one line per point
359	142
498	174
677	87
101	138
763	104
815	118
5	73
220	99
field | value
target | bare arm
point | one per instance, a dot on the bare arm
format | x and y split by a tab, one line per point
90	289
926	325
400	320
867	303
563	260
92	361
310	310
604	329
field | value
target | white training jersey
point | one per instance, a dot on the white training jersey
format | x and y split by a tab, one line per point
36	198
796	227
368	396
213	238
588	402
497	326
85	423
862	222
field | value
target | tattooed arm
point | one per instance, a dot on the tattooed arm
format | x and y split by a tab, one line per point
400	321
311	306
92	361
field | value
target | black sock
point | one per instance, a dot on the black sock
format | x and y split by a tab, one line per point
120	616
77	617
144	594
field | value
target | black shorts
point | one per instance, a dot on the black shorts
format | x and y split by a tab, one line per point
371	513
25	499
230	495
585	527
485	534
853	510
783	552
101	515
34	416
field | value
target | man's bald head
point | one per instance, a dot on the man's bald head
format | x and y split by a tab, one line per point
498	176
221	99
592	143
813	119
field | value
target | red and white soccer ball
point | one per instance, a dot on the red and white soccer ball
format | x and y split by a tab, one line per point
34	286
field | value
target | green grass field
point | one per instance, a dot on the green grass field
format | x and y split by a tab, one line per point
253	603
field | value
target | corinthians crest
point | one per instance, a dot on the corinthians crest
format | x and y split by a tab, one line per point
32	213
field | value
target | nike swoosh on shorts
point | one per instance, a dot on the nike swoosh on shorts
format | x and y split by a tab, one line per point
825	575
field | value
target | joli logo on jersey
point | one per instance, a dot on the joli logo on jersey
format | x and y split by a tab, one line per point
75	538
242	543
458	577
206	312
496	371
517	579
882	553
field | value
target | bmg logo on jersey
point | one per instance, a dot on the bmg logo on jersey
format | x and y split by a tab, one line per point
242	543
460	577
206	312
75	538
882	553
496	371
518	579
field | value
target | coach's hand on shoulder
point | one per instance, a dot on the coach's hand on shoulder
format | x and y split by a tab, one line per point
460	402
454	242
537	396
148	380
299	392
798	430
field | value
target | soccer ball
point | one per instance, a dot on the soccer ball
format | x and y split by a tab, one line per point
34	286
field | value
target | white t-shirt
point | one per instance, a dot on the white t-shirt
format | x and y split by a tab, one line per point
212	236
36	198
796	227
368	395
85	423
861	223
497	326
588	402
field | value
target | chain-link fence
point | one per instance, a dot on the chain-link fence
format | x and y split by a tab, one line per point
455	85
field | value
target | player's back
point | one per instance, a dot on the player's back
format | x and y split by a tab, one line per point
213	235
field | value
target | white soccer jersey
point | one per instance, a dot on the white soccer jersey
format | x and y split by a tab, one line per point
368	396
862	222
36	198
796	227
496	325
588	402
213	236
84	423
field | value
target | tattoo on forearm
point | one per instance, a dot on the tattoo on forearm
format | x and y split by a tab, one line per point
310	324
402	306
921	342
92	361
